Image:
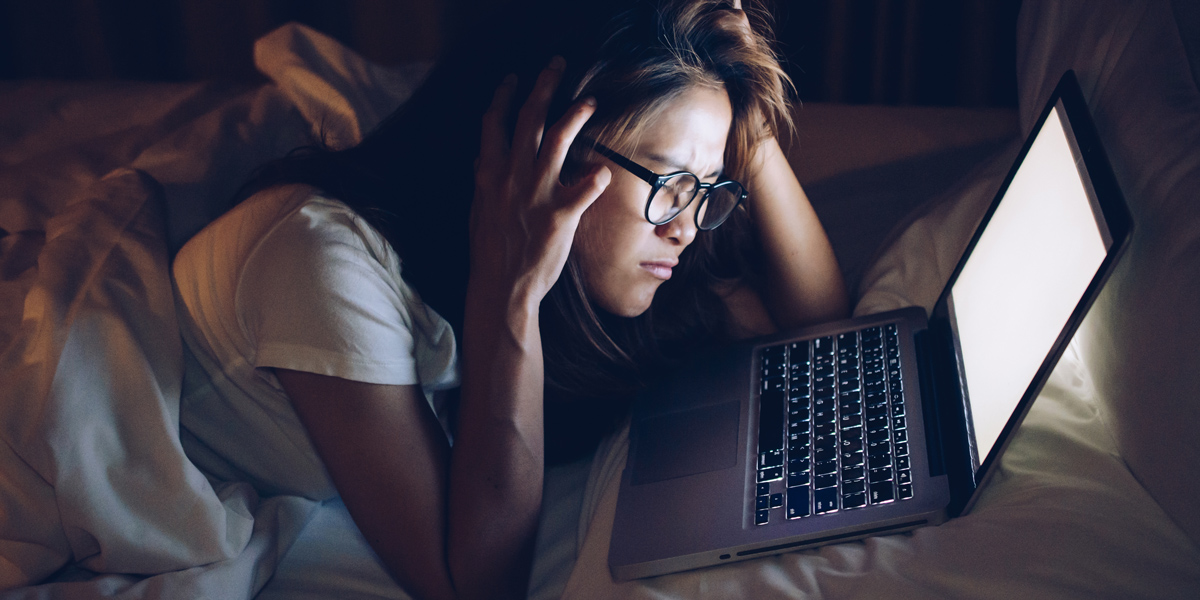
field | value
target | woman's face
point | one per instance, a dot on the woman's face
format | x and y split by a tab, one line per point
623	257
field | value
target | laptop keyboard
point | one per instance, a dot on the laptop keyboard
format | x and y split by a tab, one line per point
833	431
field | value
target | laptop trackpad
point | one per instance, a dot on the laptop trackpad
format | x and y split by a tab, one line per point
688	443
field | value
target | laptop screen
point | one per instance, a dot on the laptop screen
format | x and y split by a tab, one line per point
1025	276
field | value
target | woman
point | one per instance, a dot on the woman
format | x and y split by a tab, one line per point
589	273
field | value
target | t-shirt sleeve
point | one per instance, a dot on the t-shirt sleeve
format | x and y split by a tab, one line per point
322	293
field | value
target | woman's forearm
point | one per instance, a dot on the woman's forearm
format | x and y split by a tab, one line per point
804	283
497	460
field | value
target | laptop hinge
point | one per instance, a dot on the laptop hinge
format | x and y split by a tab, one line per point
930	402
951	413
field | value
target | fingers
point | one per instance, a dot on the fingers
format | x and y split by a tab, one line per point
584	192
560	137
531	121
493	147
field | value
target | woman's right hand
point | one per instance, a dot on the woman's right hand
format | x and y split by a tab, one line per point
523	218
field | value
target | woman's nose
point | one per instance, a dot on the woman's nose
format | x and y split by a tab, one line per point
681	229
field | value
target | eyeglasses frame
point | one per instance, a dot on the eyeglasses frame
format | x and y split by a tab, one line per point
657	181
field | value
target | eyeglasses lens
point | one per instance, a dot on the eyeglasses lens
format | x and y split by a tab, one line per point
719	203
672	197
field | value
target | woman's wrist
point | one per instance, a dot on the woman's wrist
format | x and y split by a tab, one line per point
501	306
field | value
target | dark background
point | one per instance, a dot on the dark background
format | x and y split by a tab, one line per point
900	52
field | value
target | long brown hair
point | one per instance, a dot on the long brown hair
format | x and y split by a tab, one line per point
411	179
653	53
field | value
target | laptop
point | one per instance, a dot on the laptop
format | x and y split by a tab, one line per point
885	423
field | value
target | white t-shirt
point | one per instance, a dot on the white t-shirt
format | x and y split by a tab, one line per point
290	279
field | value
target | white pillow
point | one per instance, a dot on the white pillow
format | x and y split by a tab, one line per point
341	95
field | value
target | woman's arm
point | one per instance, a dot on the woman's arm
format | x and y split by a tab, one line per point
460	523
804	283
388	458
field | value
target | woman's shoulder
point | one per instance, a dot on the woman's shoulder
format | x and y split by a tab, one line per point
300	212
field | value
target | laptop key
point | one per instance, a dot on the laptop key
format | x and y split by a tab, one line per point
898	423
797	479
798	443
854	487
906	491
875	400
798	411
880	461
825	429
776	500
898	411
797	502
774	458
821	455
760	502
825	501
849	382
770	422
824	441
878	475
882	492
854	500
876	410
877	423
764	489
904	476
853	473
902	449
761	516
825	481
771	474
851	420
852	458
901	436
823	468
902	462
850	407
800	392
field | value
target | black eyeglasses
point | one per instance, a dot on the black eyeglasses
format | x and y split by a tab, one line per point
671	194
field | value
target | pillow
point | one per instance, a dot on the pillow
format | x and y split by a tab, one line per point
1139	339
91	469
342	96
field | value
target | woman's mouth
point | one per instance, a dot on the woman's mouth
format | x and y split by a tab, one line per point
659	269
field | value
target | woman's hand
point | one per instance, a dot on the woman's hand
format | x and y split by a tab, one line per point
523	218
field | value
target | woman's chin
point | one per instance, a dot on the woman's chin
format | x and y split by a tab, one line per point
628	305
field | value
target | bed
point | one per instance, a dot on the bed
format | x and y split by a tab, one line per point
101	182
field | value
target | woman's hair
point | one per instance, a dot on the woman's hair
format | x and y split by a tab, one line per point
412	178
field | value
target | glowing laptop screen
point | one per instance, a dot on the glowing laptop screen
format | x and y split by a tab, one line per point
1024	278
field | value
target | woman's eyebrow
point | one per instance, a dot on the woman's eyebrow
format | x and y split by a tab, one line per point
677	166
